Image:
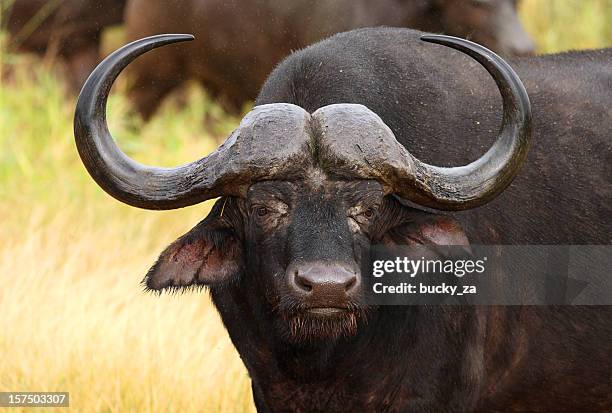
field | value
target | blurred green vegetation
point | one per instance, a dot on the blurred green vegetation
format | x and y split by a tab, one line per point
36	143
559	25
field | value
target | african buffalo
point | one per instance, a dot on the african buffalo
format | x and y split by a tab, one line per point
328	163
240	42
69	28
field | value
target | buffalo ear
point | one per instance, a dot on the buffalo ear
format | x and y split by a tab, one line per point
209	254
427	229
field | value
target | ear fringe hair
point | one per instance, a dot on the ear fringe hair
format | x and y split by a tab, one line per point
172	289
188	289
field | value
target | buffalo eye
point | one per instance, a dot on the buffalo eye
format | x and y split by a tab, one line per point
261	211
363	217
368	213
268	213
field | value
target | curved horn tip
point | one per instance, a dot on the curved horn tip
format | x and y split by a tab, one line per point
453	42
120	176
436	38
482	180
167	38
179	37
489	60
153	42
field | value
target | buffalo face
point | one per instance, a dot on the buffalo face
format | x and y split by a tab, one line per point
296	245
304	244
494	23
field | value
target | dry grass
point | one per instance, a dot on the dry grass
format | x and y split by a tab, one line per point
74	319
72	314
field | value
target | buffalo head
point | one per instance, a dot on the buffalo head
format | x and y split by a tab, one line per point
494	23
301	194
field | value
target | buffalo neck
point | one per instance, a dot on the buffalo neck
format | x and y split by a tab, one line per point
400	353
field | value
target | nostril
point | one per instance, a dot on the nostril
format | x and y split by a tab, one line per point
302	282
350	283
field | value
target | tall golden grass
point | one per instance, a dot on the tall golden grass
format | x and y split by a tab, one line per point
73	316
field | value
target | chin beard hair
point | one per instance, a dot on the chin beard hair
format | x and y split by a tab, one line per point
307	328
311	328
297	326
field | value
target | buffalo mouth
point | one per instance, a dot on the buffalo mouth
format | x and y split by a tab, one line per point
322	322
315	327
327	311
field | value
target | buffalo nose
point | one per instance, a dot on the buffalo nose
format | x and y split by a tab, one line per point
322	281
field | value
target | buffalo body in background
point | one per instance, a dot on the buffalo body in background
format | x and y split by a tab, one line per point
70	29
240	42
